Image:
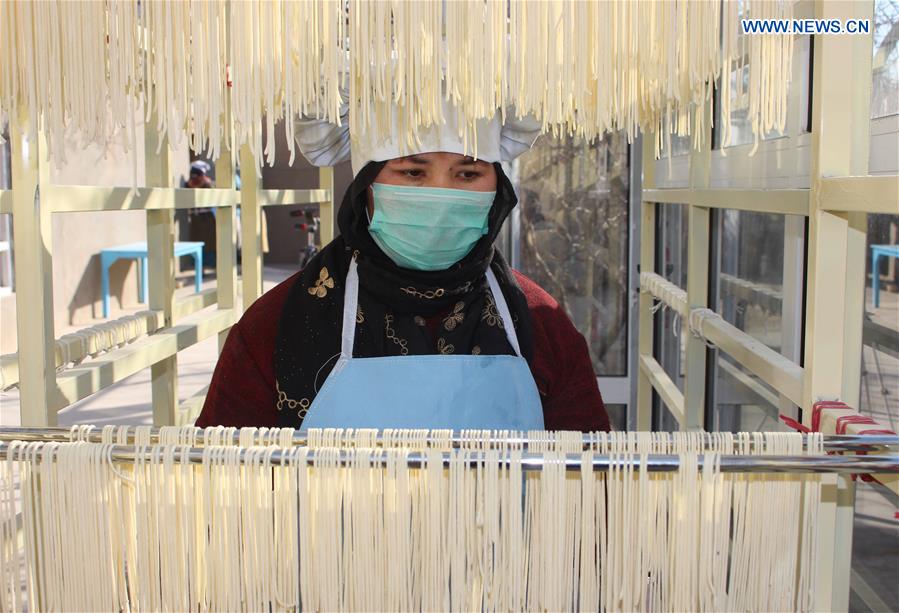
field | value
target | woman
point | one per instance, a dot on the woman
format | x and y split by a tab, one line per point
410	318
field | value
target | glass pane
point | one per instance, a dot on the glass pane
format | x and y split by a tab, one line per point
741	127
885	64
880	332
574	236
680	145
617	416
752	267
743	402
672	255
759	288
666	421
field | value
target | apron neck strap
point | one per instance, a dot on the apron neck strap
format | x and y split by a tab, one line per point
503	310
351	304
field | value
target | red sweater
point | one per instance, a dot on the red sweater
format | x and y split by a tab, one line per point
242	392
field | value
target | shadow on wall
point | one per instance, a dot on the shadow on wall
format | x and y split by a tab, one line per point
78	239
87	297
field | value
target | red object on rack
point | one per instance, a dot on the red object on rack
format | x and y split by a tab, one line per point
826	404
795	424
842	423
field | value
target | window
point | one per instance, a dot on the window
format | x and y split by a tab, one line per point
672	264
573	236
797	101
757	282
885	63
880	328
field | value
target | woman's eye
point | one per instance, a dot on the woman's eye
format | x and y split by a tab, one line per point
412	173
469	175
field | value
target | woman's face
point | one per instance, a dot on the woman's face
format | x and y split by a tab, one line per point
437	169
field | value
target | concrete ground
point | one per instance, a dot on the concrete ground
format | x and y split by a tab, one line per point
875	546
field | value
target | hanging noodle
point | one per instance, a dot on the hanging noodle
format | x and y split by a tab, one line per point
241	531
82	67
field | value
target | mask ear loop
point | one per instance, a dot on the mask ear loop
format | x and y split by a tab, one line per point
369	202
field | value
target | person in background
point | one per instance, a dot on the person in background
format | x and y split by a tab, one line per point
201	222
199	175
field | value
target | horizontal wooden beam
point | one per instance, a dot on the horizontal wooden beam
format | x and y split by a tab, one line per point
75	198
664	386
89	378
74	347
868	194
664	290
195	302
781	201
289	197
781	373
80	198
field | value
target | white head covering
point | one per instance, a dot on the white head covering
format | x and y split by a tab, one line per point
326	144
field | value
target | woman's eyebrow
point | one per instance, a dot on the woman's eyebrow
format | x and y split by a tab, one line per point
413	159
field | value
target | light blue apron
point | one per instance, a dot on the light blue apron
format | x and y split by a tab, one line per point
427	391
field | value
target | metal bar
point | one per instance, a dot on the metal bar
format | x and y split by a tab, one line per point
572	462
80	382
634	257
647	265
869	443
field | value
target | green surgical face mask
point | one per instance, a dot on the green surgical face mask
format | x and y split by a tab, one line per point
428	228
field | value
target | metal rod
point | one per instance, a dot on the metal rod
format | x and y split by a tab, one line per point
847	442
572	462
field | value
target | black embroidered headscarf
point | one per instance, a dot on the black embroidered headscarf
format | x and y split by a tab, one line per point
393	303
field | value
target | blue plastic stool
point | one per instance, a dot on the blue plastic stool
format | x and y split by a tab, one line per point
138	251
